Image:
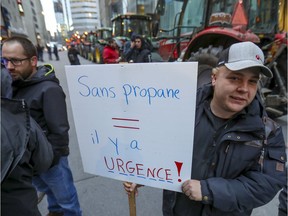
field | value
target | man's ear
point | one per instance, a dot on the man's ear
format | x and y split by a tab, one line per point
34	61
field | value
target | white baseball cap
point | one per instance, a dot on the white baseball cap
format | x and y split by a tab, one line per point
244	55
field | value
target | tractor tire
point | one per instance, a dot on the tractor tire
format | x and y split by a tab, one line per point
90	55
98	54
206	62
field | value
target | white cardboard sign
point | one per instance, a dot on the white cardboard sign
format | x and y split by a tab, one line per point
135	122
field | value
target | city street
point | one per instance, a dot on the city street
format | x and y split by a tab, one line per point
106	197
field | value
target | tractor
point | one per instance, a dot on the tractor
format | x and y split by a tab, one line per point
124	25
92	44
200	29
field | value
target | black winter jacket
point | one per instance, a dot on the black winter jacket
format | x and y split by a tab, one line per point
73	56
46	100
241	171
25	152
142	55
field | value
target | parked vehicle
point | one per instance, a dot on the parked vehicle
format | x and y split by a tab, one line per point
92	43
124	25
199	30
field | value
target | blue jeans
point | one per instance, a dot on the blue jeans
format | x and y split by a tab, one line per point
59	187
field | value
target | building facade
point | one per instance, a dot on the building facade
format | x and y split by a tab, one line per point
23	18
85	15
61	20
26	18
88	15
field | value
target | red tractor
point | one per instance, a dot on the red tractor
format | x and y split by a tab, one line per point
199	30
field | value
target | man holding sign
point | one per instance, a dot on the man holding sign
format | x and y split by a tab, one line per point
239	153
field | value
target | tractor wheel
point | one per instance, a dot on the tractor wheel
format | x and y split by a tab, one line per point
90	55
98	58
206	62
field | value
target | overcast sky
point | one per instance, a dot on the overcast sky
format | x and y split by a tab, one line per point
49	14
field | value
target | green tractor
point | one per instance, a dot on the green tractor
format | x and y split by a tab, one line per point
124	25
92	44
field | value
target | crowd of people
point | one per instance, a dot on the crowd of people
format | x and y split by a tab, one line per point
238	157
135	50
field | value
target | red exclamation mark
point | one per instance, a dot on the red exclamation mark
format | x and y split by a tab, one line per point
179	166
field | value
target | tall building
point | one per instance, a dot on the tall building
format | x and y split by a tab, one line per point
61	21
85	15
88	15
105	13
23	18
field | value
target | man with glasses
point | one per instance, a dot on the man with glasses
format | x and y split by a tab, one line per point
46	99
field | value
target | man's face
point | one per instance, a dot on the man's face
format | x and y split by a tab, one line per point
233	90
23	66
138	43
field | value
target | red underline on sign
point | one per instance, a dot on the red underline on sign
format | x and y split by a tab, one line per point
125	119
136	128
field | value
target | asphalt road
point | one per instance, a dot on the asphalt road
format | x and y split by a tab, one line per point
101	196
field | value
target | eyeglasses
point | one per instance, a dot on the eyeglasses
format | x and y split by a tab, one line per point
15	62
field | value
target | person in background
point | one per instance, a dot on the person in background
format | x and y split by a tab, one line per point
25	152
41	90
127	44
239	152
55	51
111	52
40	50
73	55
138	52
48	47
